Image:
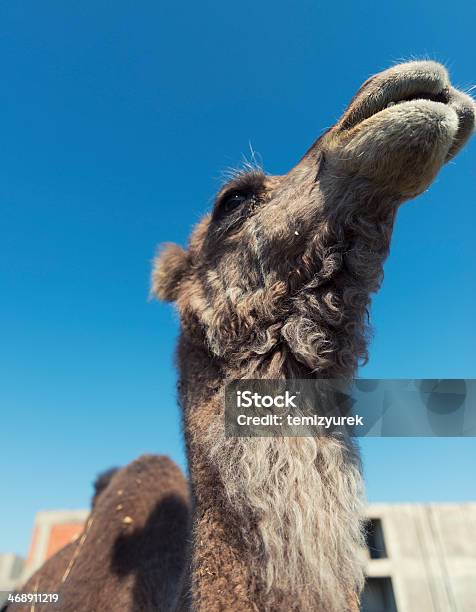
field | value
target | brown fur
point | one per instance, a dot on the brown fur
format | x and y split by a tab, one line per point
276	283
132	553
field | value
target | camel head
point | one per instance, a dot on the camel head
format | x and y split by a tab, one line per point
284	264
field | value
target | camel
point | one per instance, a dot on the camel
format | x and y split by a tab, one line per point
50	574
133	549
276	283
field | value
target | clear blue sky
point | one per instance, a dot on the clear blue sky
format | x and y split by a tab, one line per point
117	121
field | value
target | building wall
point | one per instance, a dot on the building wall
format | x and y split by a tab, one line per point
11	569
428	561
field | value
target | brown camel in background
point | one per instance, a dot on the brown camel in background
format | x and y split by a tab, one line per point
47	578
133	549
275	283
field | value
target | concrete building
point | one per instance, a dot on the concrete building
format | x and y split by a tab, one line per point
11	571
421	558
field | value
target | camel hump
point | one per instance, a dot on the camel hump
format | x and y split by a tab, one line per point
157	473
145	465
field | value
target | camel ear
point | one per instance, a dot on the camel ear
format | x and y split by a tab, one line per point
170	266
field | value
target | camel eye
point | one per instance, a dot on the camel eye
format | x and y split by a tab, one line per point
232	200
